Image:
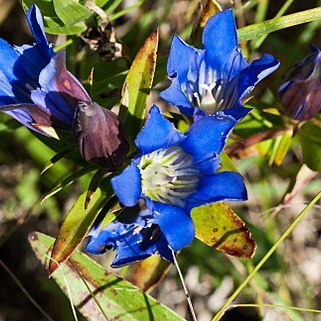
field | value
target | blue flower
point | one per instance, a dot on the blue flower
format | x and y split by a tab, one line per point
216	78
132	237
175	173
35	82
300	95
38	91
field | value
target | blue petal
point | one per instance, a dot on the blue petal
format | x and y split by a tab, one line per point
179	58
56	77
175	96
254	73
127	185
12	76
8	58
34	58
206	137
132	254
238	112
220	42
224	186
60	91
35	21
21	115
122	238
99	239
157	133
163	249
131	242
175	223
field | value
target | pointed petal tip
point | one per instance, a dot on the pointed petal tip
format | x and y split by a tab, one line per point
157	133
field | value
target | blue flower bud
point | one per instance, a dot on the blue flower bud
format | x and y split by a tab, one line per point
100	136
300	95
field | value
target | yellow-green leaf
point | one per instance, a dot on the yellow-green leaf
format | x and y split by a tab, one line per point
137	86
281	146
147	273
211	8
219	227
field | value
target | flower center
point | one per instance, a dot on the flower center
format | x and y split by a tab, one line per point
208	90
168	175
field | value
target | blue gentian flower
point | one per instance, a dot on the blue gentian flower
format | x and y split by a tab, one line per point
133	238
35	82
175	173
38	91
300	94
216	78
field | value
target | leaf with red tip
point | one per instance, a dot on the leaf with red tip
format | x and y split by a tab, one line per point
219	227
77	224
137	86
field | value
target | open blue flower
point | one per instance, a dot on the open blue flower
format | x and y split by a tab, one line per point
38	91
177	172
216	78
133	238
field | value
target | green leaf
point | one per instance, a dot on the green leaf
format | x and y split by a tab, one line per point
60	155
71	12
219	227
46	6
94	184
310	139
280	147
56	27
100	3
78	222
113	298
268	26
53	24
67	181
226	163
137	86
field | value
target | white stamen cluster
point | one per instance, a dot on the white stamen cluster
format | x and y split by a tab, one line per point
168	175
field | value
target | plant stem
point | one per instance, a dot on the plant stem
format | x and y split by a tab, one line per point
220	313
275	24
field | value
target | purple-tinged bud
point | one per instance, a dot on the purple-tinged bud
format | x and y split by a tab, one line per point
300	95
100	136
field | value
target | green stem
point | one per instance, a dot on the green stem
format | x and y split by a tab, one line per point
63	45
278	306
261	10
220	313
268	26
